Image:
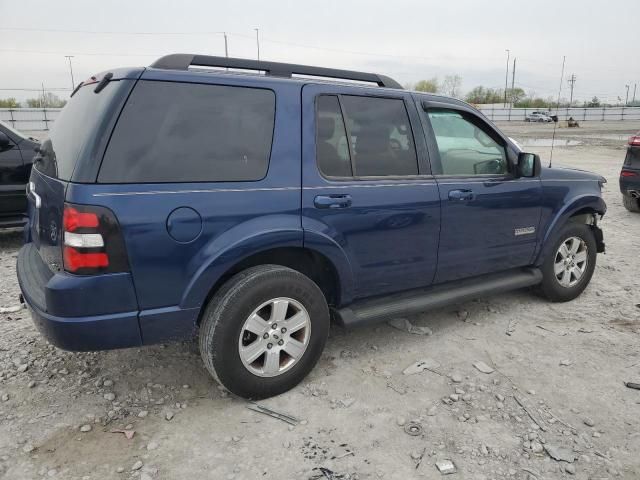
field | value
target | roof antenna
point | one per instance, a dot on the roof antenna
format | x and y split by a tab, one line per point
555	124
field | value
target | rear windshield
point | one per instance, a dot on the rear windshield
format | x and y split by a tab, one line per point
183	132
73	130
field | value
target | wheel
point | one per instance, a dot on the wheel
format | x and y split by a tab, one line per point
631	204
264	331
568	269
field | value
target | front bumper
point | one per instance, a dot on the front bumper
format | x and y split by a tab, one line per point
75	312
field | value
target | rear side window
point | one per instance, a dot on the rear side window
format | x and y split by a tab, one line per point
331	139
182	132
380	142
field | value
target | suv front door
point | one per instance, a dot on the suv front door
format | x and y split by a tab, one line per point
489	215
367	187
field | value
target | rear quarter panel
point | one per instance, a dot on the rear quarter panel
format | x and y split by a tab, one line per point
172	278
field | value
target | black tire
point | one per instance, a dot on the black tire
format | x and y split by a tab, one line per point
631	204
550	286
234	302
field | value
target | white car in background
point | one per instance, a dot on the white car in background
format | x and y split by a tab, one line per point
538	117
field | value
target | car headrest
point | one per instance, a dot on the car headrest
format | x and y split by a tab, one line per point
326	127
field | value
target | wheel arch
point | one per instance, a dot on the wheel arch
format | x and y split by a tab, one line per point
310	262
584	209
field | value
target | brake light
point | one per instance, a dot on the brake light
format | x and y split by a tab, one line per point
73	219
634	141
74	260
92	241
628	173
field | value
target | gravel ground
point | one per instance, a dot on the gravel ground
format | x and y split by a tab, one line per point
553	406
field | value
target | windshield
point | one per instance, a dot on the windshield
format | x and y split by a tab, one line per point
13	131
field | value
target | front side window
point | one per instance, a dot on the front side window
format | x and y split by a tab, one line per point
380	141
183	132
464	147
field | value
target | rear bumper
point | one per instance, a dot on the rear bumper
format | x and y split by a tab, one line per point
82	334
79	313
630	185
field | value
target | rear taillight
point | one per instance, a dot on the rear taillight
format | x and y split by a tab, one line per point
634	141
93	241
628	173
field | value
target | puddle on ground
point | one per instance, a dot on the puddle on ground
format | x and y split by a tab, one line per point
610	136
546	142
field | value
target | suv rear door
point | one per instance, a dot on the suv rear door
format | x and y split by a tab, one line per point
489	216
367	188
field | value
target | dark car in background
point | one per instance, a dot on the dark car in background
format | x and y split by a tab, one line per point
16	157
630	176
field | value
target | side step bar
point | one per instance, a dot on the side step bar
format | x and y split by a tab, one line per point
375	310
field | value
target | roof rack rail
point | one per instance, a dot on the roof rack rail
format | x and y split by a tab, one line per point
182	61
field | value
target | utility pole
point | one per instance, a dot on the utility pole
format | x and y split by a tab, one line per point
572	82
226	46
634	93
506	78
626	99
73	84
258	41
513	82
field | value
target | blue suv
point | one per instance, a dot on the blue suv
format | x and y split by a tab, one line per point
195	198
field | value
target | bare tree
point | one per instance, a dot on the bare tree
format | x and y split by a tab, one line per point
451	85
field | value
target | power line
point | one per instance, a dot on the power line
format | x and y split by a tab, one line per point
78	54
93	32
58	89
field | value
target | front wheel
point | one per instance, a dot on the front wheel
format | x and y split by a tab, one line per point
568	269
264	331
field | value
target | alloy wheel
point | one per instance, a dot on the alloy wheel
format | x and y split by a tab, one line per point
274	337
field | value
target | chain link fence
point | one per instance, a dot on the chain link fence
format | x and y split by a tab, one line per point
29	119
580	114
41	119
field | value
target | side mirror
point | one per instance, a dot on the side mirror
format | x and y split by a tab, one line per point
4	141
528	165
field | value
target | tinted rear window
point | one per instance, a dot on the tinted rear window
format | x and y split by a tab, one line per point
182	132
74	130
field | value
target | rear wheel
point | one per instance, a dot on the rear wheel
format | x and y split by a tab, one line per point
264	331
568	269
631	204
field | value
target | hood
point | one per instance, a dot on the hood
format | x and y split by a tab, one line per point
568	173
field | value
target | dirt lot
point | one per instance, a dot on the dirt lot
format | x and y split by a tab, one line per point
556	390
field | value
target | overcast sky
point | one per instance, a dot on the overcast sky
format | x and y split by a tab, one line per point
406	39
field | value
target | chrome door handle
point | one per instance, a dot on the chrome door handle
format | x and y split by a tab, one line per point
461	195
332	201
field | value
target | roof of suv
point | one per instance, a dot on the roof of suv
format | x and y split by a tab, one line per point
286	71
294	73
182	61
